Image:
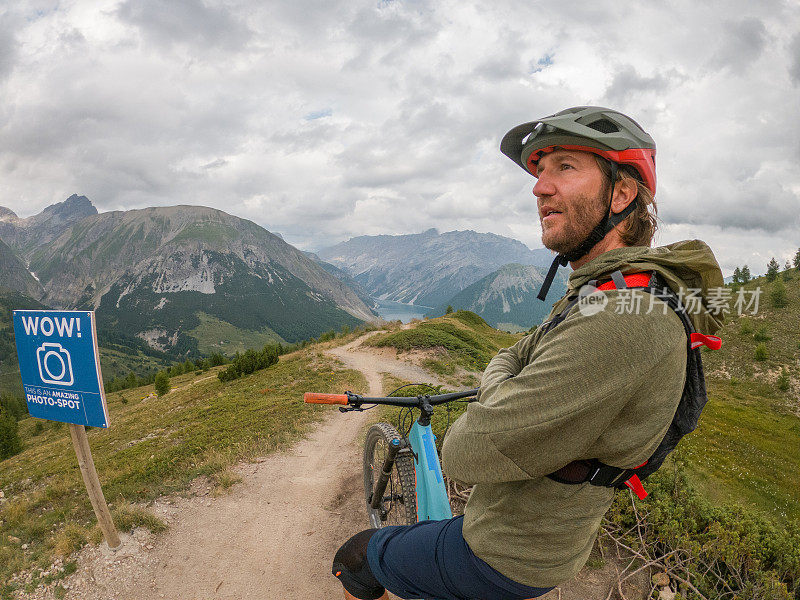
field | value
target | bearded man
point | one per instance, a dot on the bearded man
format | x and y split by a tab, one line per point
590	402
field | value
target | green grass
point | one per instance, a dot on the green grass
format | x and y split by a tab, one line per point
155	446
747	449
777	328
214	335
465	338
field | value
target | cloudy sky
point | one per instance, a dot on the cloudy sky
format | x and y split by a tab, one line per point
323	120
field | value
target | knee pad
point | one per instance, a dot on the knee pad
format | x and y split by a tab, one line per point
351	567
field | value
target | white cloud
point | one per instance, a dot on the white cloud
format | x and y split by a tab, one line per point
325	120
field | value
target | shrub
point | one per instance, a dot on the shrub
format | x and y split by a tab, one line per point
327	336
783	380
726	551
761	352
10	444
778	294
745	326
249	362
761	335
448	310
15	406
162	384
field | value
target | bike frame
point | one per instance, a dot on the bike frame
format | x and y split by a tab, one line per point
432	501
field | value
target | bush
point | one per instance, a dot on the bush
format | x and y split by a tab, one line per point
448	310
761	335
745	327
783	380
216	359
15	406
778	294
162	384
249	362
10	444
761	352
726	551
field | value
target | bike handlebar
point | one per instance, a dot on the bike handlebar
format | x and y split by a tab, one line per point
358	400
313	398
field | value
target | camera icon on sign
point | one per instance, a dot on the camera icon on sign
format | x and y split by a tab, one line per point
55	364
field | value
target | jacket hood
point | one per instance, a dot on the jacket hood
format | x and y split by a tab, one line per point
687	265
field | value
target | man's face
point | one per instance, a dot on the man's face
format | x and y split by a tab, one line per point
570	193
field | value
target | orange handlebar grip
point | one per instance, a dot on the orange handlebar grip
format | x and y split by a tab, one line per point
313	398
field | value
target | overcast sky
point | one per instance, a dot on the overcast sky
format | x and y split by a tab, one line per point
323	120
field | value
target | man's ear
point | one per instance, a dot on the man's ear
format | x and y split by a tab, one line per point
624	193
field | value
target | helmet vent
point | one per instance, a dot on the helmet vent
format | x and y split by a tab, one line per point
604	126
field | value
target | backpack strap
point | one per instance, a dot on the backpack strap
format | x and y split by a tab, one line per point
692	400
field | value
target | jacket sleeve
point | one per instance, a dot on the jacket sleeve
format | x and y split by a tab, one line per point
540	409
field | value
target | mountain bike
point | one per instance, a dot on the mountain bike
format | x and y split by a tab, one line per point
403	480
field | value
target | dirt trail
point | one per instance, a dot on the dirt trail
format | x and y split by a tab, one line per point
271	537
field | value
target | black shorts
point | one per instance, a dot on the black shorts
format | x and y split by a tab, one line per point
430	559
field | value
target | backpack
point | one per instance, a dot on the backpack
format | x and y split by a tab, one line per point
691	404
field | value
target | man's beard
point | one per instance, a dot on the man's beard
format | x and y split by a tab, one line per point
583	216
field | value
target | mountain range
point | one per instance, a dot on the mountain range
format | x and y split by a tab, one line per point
506	298
181	278
427	268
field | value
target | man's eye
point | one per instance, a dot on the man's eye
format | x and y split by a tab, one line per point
565	166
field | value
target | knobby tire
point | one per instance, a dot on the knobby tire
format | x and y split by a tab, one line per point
400	505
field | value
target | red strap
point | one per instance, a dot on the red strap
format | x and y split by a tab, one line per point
636	485
633	280
712	341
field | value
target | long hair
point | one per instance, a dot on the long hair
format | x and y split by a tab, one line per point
640	226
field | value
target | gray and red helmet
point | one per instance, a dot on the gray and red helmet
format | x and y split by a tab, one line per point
595	129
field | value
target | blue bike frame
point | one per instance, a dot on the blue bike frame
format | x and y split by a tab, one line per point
432	502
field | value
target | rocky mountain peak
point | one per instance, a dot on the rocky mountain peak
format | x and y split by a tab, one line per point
70	210
7	215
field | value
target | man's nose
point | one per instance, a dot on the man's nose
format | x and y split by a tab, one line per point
543	187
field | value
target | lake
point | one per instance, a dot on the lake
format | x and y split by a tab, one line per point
393	311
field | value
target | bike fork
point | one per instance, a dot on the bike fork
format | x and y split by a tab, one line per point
376	500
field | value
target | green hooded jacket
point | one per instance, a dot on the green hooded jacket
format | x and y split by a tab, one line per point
603	385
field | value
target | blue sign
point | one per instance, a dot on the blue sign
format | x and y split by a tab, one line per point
60	366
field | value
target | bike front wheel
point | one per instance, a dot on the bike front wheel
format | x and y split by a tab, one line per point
398	505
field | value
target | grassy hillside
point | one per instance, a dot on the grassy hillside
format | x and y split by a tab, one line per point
747	447
461	342
154	446
214	335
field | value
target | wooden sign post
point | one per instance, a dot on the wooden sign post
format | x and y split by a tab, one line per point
84	453
59	363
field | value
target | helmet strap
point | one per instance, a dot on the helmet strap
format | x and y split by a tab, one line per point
606	224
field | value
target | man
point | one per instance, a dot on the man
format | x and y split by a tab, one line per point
589	387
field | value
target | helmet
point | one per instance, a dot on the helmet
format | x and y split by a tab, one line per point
594	129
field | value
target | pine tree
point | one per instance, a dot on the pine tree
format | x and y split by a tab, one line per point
162	383
797	260
737	275
745	274
787	271
772	269
778	294
783	380
448	310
